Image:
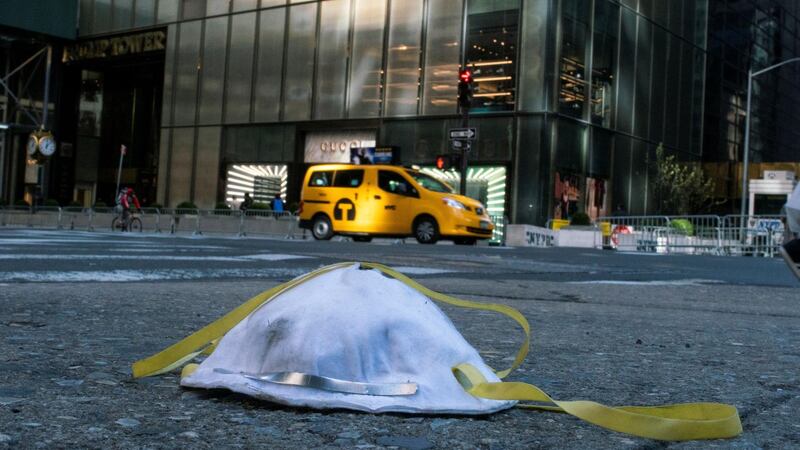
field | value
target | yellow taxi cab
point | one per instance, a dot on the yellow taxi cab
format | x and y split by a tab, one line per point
364	201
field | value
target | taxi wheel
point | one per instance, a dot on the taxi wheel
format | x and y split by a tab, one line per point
322	229
426	230
465	241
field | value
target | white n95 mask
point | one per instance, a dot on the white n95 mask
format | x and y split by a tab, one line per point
367	338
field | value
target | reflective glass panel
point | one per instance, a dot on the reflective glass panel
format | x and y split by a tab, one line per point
604	57
213	70
244	5
240	64
169	71
332	59
207	166
491	53
123	14
442	57
659	83
366	75
671	109
145	13
102	16
214	7
163	165
626	80
186	73
641	109
85	22
573	87
180	174
403	57
167	11
193	9
270	65
532	55
300	62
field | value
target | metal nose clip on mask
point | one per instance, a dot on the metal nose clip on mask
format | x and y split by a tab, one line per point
365	337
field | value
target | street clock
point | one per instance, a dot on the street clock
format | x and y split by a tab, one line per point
41	144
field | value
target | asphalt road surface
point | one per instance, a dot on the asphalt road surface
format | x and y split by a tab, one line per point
51	256
76	309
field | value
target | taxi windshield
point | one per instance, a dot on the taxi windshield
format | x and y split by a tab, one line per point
430	183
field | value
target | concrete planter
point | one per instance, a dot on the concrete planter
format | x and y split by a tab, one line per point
578	236
529	236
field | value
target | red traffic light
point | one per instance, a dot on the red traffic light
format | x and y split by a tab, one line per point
465	76
442	162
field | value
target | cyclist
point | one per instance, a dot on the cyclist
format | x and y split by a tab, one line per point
126	196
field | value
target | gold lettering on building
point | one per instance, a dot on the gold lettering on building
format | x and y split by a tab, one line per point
116	46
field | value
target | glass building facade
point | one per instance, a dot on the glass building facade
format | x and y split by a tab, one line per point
742	35
571	96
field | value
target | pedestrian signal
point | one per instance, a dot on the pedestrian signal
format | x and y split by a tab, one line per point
447	162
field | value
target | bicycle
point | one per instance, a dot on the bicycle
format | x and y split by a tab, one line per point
133	223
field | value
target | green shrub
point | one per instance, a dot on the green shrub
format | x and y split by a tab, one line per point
186	205
222	205
51	202
580	218
156	205
21	203
74	204
682	226
100	204
294	206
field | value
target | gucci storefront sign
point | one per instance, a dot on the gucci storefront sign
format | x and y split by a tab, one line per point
151	41
334	146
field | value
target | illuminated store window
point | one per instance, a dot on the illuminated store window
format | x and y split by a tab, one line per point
573	87
487	184
491	53
261	181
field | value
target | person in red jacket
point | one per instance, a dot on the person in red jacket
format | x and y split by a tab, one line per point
126	198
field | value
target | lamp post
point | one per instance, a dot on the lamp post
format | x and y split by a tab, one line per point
746	169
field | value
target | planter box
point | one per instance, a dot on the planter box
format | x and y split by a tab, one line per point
529	236
581	237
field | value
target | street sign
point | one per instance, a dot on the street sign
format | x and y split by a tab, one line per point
463	133
460	145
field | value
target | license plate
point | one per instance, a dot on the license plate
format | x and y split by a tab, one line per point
484	225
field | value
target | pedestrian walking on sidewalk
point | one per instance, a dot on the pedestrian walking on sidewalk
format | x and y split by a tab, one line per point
790	250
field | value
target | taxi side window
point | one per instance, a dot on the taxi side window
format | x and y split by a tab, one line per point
321	179
348	178
395	183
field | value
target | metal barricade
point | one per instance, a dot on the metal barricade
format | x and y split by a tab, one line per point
693	235
758	235
182	220
635	233
499	233
266	222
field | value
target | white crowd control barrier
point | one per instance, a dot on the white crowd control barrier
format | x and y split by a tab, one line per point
700	234
695	234
155	220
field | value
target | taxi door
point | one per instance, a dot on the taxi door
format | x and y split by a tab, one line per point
398	196
348	195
